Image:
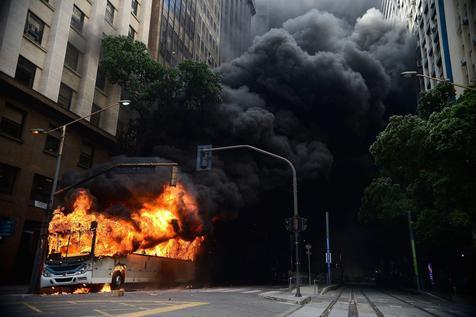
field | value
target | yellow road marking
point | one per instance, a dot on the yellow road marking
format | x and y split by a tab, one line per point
32	307
163	309
102	312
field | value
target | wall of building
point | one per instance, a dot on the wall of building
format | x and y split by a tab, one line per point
59	31
30	154
235	35
446	37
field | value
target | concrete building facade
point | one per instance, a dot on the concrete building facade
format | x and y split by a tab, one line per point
49	55
235	35
446	37
260	21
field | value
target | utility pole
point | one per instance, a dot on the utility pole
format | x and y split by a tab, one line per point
412	243
328	253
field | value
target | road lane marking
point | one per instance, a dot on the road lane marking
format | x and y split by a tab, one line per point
252	291
102	312
32	307
163	309
125	304
233	290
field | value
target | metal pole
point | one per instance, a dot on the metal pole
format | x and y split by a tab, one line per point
412	243
42	246
309	266
296	213
328	254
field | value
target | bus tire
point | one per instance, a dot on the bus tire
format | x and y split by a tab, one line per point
117	280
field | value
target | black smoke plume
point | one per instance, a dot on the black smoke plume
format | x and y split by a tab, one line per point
318	87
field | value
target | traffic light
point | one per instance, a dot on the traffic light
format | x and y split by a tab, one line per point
204	158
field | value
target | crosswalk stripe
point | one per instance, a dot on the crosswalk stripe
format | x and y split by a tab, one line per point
233	290
252	291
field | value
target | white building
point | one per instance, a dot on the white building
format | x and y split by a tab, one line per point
235	28
446	37
53	47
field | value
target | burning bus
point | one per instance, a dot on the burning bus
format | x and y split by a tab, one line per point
95	248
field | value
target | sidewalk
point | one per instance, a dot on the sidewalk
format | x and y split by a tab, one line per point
14	289
307	292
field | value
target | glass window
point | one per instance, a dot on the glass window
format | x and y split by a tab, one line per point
41	189
86	155
25	72
77	19
34	27
101	79
53	141
95	118
11	121
72	57
135	7
132	33
109	13
65	96
7	178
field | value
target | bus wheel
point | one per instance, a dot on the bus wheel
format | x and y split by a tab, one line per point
117	280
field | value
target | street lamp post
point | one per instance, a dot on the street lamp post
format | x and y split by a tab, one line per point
295	197
308	252
41	251
414	74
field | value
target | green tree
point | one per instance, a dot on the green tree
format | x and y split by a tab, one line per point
160	94
426	164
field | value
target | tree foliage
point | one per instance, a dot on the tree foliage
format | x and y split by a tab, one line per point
157	91
427	165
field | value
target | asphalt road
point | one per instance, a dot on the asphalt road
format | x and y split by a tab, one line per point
346	301
218	302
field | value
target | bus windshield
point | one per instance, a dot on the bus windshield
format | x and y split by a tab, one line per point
70	244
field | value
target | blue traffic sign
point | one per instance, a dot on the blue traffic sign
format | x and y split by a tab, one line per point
7	228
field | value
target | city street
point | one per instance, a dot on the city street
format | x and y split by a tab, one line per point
232	301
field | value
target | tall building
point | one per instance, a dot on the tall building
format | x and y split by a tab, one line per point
235	35
49	53
185	29
260	21
446	37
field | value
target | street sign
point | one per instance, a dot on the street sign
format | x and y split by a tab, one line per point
7	228
204	158
40	204
295	224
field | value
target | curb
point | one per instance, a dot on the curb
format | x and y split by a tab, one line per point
436	296
329	288
277	296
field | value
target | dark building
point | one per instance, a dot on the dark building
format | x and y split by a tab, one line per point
235	32
27	165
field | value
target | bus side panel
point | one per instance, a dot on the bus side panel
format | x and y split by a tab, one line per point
102	270
175	271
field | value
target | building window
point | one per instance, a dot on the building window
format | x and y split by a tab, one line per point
25	72
101	79
77	19
135	7
41	189
95	118
11	122
65	96
8	175
132	33
72	57
109	13
34	28
86	155
52	143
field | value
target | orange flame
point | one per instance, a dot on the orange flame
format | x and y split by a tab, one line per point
153	229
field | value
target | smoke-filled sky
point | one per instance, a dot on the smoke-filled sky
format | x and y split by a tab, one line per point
316	88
